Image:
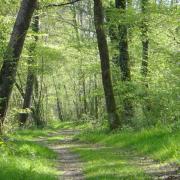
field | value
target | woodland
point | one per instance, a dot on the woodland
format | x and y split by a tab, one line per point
89	89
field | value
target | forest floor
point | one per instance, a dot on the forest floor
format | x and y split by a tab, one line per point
68	163
81	158
72	152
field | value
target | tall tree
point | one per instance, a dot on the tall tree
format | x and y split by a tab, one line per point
30	74
123	44
145	55
145	39
12	55
124	59
114	121
59	109
78	21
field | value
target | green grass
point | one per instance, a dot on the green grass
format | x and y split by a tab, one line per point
106	155
113	154
28	134
103	162
21	158
109	164
69	125
160	143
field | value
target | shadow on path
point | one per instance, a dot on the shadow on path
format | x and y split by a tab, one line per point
70	165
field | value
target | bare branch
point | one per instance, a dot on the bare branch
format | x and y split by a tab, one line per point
20	89
61	4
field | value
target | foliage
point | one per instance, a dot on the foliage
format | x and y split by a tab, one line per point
160	143
64	59
66	53
21	158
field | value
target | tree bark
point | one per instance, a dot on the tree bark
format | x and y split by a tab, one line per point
145	56
58	103
84	94
145	39
113	118
123	45
124	61
31	74
95	98
12	55
37	110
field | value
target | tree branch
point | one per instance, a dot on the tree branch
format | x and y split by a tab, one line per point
61	4
20	89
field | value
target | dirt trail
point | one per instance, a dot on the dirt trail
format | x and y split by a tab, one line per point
70	164
156	169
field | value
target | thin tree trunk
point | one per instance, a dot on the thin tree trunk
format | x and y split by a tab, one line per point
59	109
31	74
95	99
38	100
145	40
84	105
35	110
20	89
113	34
145	56
12	55
123	45
124	61
27	98
114	121
84	94
68	104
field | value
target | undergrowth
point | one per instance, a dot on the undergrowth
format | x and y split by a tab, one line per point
160	143
24	159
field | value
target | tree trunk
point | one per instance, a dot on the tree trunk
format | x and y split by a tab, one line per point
59	109
145	39
31	74
95	98
38	99
145	52
36	110
12	55
123	45
124	61
84	94
113	35
114	121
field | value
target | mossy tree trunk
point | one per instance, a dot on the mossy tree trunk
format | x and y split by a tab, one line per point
114	121
124	62
12	55
145	56
30	74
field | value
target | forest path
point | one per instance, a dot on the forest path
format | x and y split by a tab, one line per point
70	164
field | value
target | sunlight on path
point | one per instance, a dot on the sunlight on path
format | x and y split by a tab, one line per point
70	165
69	162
